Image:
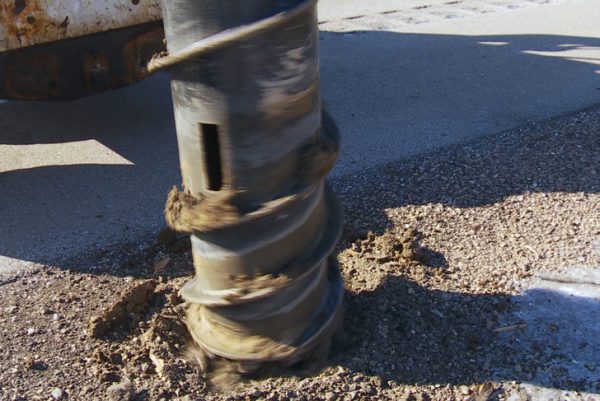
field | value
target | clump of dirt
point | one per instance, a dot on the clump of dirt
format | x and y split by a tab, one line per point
250	284
186	213
153	350
126	311
393	245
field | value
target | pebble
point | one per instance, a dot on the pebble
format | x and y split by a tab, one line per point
370	390
122	391
57	393
437	313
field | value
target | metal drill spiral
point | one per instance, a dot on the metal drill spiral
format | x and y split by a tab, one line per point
254	149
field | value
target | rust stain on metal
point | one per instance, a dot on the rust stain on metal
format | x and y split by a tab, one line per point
25	23
140	50
36	77
80	66
28	22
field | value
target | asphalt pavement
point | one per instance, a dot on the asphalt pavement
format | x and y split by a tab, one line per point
402	78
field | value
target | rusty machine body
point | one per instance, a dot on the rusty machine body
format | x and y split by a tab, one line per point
254	149
64	49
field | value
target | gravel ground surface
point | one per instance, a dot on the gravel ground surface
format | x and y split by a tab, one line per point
435	254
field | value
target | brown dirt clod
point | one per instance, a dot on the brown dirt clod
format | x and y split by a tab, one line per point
186	213
133	301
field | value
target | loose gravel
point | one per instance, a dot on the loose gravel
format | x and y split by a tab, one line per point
435	254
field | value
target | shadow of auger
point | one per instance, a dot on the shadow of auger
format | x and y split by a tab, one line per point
402	332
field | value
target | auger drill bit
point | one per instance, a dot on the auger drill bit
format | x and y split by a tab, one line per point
254	148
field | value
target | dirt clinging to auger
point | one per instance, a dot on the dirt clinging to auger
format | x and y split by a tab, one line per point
187	213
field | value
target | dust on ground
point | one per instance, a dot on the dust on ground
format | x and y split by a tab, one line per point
434	255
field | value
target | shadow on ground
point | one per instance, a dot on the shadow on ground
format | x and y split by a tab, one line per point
404	333
56	212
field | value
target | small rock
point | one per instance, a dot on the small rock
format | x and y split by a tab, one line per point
370	390
161	265
31	331
330	396
108	377
144	368
57	393
159	363
590	366
437	313
33	363
116	358
122	391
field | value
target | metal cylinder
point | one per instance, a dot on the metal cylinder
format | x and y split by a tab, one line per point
254	149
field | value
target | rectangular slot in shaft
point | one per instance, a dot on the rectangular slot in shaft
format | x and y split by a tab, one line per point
212	156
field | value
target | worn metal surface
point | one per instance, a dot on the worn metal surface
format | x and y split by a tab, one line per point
81	66
254	152
26	23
